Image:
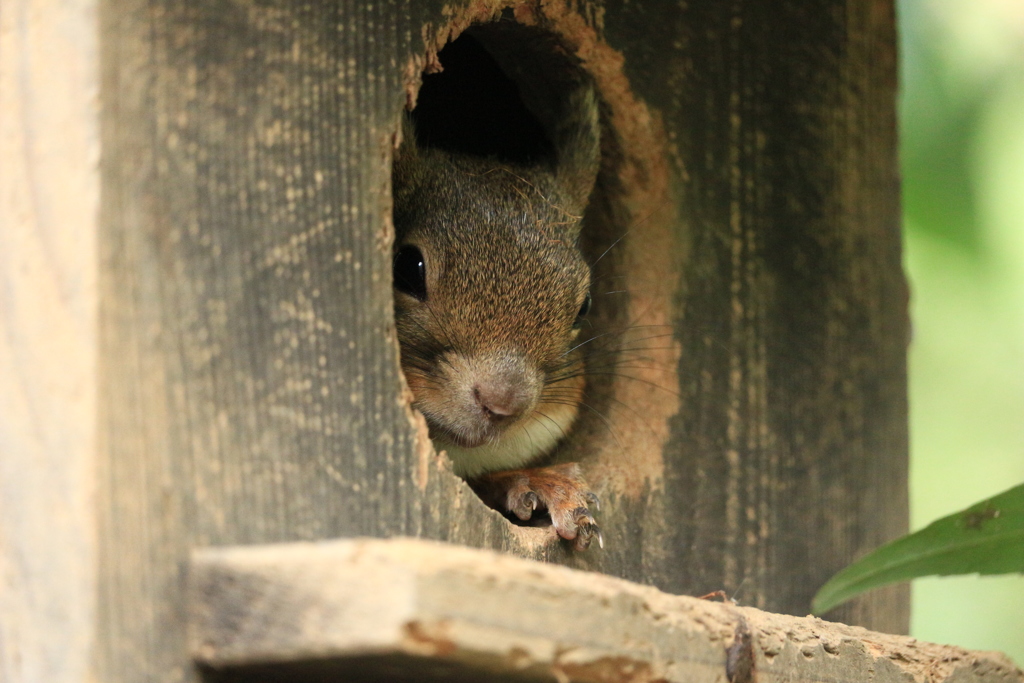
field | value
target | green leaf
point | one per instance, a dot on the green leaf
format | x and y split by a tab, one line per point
986	538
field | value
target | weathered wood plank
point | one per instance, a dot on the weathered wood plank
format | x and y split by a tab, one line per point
280	612
49	199
250	390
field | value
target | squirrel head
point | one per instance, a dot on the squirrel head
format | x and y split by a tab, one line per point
490	293
491	287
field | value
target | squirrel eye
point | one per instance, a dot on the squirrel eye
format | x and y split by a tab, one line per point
584	309
410	272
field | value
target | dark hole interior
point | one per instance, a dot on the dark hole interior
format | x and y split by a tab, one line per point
472	107
374	668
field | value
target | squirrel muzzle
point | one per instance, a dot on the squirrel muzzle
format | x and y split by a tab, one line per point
480	396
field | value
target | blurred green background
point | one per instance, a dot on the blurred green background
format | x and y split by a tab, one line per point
962	128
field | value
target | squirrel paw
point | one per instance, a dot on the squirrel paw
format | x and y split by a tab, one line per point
559	489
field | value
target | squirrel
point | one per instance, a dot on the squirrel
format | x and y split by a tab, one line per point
490	291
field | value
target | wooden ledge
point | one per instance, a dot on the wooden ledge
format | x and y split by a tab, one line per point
405	609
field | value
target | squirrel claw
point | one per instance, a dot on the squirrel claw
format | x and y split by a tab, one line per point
586	530
522	504
559	489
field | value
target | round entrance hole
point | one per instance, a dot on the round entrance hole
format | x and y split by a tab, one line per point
501	90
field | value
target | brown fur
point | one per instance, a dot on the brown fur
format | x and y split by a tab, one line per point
505	280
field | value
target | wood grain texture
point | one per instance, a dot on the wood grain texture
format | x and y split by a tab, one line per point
414	610
250	389
49	199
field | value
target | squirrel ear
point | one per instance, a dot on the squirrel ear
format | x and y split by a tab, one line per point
407	164
577	139
406	158
407	150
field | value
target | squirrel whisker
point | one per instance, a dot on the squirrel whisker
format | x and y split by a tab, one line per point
636	413
638	379
605	420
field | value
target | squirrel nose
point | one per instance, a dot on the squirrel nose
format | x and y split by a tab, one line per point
500	401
